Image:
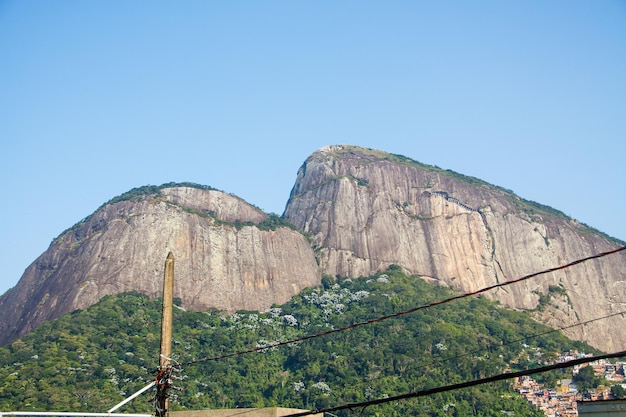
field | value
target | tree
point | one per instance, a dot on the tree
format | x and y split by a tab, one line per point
93	358
586	378
618	392
327	281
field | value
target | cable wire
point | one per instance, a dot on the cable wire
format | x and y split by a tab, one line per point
467	384
532	336
528	337
401	313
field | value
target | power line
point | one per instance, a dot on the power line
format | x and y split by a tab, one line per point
509	375
532	336
528	337
451	358
401	313
466	384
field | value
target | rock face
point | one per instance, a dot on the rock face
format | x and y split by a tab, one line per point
223	258
366	210
363	210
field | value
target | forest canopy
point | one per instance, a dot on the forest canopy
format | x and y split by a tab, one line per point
90	360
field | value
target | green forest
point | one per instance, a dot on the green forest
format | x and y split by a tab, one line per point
92	359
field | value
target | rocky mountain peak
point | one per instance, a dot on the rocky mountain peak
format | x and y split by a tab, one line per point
224	257
356	211
366	210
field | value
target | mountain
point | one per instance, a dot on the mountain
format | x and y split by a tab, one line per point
366	209
228	255
89	360
352	212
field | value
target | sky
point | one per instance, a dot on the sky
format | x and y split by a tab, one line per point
99	97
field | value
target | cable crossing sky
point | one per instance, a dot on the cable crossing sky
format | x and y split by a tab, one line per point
401	313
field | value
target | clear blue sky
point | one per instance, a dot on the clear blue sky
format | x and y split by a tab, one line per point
98	97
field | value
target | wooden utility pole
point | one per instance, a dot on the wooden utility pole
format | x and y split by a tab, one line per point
163	380
167	317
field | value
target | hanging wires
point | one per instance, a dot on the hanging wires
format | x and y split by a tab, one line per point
441	389
486	380
467	384
401	313
525	338
163	382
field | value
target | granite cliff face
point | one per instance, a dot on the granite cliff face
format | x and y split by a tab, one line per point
362	210
224	258
366	210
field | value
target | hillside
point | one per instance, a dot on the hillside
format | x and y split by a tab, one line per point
91	359
229	255
366	209
352	212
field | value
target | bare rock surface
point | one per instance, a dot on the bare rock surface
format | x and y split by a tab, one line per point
361	211
123	246
366	210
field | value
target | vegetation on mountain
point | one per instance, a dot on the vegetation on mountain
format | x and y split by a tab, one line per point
92	359
617	391
138	192
271	223
587	379
154	189
545	299
531	208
